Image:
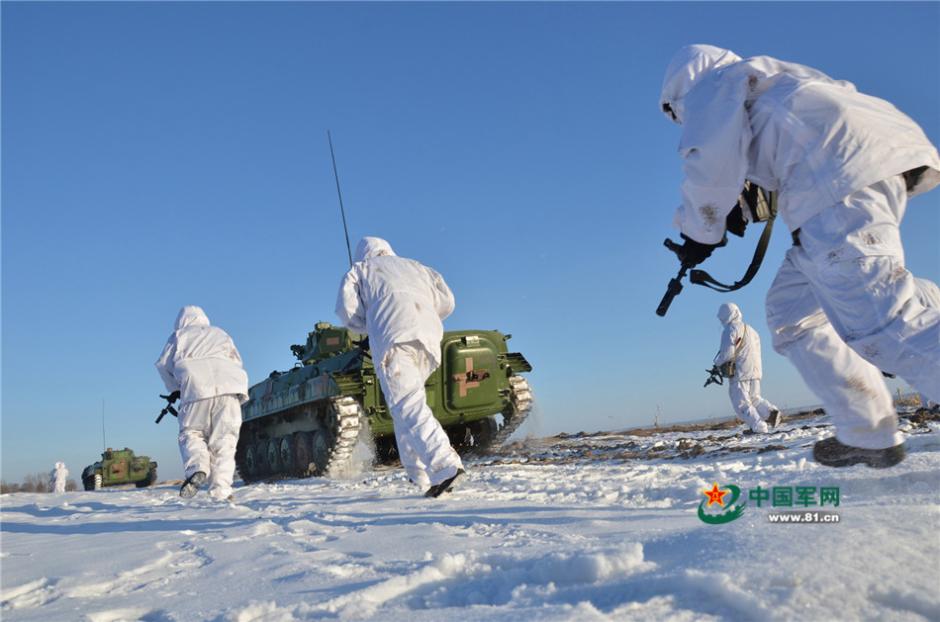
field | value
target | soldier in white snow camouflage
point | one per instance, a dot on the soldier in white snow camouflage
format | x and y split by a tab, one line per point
740	351
200	363
843	307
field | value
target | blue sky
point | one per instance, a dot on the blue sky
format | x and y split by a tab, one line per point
162	154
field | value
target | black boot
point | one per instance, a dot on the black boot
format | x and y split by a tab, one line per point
830	452
446	486
191	486
774	418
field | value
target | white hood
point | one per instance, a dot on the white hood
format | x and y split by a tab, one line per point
370	247
200	360
729	312
191	315
685	69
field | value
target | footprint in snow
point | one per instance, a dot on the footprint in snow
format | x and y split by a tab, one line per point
157	573
32	594
139	614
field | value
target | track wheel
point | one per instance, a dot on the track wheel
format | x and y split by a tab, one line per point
321	448
250	461
260	448
273	453
304	464
285	454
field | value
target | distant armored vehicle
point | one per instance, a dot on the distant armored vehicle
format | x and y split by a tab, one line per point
306	421
119	466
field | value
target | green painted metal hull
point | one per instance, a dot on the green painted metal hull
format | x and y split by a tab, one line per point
118	467
289	409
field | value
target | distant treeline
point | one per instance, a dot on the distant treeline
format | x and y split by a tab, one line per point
34	483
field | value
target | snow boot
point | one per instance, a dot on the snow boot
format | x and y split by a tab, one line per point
774	419
446	486
761	429
420	483
191	486
830	452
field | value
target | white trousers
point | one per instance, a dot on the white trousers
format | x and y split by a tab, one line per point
843	308
208	436
423	446
58	485
748	403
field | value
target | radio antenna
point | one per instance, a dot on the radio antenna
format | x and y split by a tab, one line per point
339	193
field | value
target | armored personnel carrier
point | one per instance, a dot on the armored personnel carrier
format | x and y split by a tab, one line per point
307	420
119	466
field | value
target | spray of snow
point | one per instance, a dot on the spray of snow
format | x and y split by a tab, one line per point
531	428
363	456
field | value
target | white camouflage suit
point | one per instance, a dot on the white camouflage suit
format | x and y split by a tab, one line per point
201	362
843	306
741	343
400	303
58	477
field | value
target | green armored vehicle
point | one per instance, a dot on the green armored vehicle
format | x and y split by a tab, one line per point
307	420
119	466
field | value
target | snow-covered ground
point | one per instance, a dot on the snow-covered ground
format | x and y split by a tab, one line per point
589	527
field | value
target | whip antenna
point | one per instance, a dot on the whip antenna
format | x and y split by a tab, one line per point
340	195
104	440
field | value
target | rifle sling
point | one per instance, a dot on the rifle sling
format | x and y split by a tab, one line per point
700	277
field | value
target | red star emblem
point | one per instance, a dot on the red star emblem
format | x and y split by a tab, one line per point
715	495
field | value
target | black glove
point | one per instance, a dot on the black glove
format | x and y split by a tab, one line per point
694	253
172	397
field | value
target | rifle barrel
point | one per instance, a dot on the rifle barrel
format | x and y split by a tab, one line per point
672	290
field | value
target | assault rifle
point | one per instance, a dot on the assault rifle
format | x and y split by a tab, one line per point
170	400
714	376
718	373
761	206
